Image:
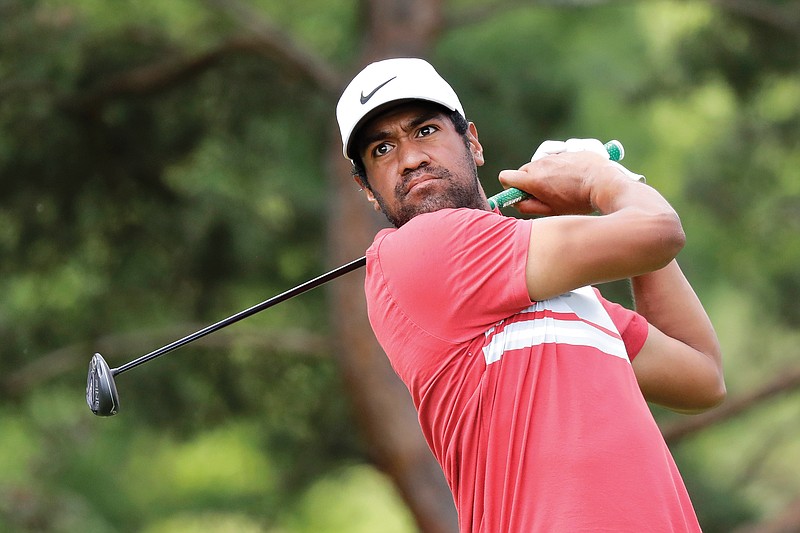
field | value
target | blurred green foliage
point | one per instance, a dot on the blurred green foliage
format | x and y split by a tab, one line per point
131	216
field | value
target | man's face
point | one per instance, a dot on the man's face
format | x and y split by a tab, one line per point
416	162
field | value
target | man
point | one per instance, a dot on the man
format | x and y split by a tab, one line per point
531	388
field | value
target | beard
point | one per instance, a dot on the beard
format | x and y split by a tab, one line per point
458	189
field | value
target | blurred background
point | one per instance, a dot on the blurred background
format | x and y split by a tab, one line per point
166	164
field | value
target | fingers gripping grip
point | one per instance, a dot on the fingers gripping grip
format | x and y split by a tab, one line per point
511	196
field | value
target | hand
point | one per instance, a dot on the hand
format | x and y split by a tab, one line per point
560	183
550	148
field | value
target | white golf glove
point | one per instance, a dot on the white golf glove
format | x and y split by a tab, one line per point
580	145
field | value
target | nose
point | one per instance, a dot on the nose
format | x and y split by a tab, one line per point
412	157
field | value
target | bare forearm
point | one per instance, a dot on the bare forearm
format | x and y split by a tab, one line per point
652	227
680	365
669	303
611	191
638	231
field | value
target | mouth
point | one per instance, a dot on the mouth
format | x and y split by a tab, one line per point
418	181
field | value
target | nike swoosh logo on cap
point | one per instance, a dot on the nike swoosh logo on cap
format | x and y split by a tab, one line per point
365	99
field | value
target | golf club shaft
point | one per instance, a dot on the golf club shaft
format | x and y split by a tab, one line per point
502	199
308	285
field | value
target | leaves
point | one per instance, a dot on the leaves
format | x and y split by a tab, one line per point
167	164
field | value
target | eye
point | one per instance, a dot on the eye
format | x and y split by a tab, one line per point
426	130
381	149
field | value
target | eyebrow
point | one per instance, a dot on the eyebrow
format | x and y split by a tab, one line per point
379	135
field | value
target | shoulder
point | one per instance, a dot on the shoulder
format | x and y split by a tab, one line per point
449	227
448	218
453	272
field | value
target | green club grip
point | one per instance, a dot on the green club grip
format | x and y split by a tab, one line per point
511	196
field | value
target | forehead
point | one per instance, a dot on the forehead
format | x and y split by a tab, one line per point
403	116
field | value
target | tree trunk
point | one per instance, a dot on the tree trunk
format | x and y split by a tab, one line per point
381	403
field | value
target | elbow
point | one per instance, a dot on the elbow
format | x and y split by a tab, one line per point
712	399
675	237
717	395
712	396
668	238
711	389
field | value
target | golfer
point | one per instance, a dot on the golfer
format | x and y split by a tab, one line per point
531	388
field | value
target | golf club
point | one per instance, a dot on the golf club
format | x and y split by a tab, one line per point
101	391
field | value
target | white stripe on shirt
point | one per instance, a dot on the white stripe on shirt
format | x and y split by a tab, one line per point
579	327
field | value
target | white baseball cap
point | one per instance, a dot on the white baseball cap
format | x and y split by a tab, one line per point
390	80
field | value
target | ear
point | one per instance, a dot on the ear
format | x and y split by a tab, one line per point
368	193
475	145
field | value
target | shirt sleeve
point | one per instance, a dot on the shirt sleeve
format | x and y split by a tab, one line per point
632	326
455	272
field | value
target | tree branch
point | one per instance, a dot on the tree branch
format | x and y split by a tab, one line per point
291	52
162	75
69	358
786	521
788	381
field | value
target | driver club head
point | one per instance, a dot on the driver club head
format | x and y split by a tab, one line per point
101	392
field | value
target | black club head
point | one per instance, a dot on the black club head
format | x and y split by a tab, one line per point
101	391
